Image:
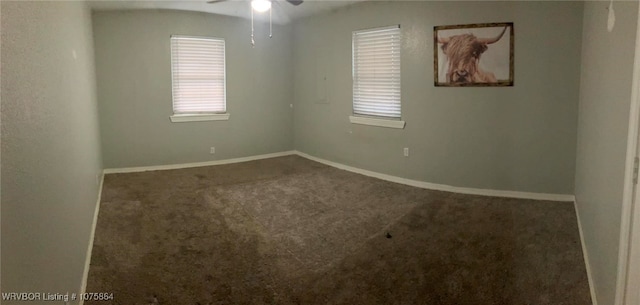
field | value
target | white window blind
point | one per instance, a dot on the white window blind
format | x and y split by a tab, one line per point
198	75
376	72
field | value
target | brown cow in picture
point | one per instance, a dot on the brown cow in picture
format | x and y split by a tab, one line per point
463	52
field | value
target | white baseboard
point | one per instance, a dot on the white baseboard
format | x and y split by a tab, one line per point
87	261
443	187
585	255
195	164
416	183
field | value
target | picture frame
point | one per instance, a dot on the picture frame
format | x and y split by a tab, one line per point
473	55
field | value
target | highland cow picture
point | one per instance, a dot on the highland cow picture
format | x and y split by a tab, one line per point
473	55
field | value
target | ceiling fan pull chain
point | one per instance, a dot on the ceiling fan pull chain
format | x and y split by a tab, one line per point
270	29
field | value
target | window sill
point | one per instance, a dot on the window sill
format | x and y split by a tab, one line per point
377	122
180	118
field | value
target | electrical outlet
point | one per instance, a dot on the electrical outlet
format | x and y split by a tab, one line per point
406	151
212	150
98	179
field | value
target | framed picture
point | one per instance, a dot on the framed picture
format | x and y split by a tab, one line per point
476	55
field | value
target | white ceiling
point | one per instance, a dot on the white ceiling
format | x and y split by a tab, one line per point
283	12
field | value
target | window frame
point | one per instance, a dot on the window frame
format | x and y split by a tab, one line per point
196	115
365	119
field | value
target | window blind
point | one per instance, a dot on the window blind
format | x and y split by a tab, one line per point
376	72
198	75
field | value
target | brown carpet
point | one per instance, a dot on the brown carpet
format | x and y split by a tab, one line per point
292	231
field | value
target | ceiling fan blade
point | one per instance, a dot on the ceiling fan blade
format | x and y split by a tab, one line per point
215	1
295	2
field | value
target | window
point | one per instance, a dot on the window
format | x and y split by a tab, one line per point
198	78
376	77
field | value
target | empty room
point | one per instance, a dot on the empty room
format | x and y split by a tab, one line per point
319	152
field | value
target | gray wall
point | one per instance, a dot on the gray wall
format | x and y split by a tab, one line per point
134	89
605	96
50	145
519	138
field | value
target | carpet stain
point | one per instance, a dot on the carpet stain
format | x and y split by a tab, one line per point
289	230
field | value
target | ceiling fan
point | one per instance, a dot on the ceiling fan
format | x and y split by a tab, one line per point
260	6
294	2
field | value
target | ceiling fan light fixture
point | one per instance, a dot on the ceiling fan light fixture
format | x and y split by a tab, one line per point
261	5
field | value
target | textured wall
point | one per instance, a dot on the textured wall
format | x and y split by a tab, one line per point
519	138
605	96
50	145
134	89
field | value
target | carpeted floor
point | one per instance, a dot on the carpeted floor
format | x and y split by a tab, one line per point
292	231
